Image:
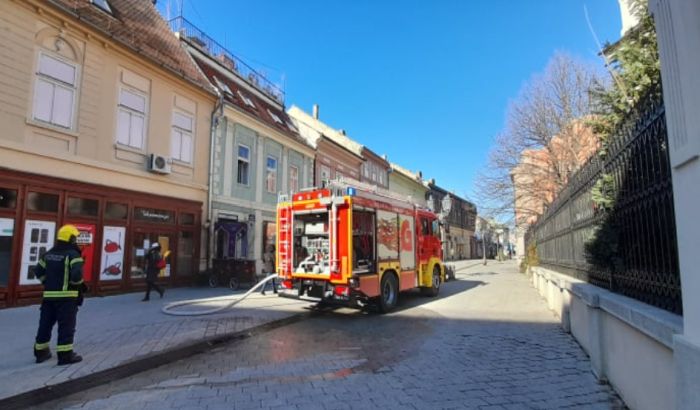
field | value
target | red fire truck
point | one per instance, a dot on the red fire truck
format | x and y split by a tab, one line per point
355	244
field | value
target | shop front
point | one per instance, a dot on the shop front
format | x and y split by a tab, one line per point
117	227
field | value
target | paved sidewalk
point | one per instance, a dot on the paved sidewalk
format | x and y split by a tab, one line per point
116	330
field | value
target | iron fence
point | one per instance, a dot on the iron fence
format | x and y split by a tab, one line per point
628	247
190	33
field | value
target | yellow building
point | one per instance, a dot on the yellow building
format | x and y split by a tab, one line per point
106	123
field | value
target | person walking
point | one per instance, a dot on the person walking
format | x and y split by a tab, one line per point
154	263
269	266
60	270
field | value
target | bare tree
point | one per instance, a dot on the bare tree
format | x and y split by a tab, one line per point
545	139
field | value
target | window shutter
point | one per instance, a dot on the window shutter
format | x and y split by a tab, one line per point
63	107
186	151
43	99
136	131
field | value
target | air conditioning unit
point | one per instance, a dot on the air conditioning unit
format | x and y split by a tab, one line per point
159	164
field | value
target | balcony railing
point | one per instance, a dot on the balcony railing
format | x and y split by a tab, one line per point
190	33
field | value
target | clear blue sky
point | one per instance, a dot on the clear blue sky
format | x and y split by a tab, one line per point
426	82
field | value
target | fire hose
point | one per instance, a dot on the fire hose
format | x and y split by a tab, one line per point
234	300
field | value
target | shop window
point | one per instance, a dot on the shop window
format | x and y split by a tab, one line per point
185	254
8	198
154	215
6	234
231	239
115	210
42	202
186	219
83	207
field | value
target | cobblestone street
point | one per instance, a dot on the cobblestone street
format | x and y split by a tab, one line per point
487	342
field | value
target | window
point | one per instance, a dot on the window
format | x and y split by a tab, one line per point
103	4
55	91
381	178
293	179
275	117
243	164
365	170
325	173
115	210
181	141
246	100
8	198
83	207
186	219
41	202
271	178
131	118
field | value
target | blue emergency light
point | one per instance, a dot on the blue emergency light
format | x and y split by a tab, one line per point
351	191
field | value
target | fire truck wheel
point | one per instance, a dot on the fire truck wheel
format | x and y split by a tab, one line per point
234	284
389	293
434	289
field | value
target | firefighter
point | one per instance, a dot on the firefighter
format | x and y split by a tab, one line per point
60	270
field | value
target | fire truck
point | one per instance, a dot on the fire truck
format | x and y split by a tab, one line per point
357	245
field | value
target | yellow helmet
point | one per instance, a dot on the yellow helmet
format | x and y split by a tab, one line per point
68	233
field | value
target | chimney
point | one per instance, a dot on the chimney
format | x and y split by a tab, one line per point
342	131
316	111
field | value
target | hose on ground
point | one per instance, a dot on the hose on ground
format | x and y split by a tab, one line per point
169	308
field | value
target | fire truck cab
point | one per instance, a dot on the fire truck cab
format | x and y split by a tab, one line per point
355	244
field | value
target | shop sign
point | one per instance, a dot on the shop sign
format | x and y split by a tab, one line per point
112	253
154	215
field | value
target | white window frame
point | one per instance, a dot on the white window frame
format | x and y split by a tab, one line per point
56	83
322	169
270	172
246	160
182	132
246	100
132	112
293	182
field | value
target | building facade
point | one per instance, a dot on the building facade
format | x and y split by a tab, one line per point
336	154
106	124
375	169
258	153
458	241
406	183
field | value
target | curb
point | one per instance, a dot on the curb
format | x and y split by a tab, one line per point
57	391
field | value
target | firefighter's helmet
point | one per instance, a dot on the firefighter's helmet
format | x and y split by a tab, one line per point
68	233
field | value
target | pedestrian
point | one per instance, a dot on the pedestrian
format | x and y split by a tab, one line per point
154	263
269	266
60	270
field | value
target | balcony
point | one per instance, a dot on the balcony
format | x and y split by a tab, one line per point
197	38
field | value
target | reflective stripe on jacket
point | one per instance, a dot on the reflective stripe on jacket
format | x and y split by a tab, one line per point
61	271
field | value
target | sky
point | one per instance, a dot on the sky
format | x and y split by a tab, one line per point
426	82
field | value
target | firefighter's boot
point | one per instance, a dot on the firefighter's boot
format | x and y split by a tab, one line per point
66	358
42	355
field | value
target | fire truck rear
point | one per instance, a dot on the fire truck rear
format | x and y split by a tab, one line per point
355	244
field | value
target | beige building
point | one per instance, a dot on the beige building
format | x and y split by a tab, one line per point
106	124
409	184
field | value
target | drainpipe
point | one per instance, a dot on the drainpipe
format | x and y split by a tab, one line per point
215	118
